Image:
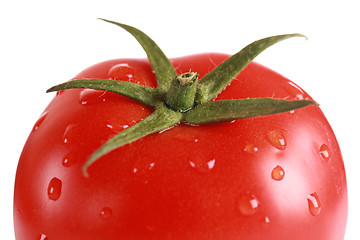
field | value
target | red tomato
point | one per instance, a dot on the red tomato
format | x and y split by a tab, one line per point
272	177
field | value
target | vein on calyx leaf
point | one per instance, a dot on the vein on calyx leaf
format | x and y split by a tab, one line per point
182	98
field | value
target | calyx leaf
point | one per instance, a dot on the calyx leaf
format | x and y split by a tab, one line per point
145	95
227	110
160	64
181	98
215	81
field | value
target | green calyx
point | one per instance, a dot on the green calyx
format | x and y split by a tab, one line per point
182	98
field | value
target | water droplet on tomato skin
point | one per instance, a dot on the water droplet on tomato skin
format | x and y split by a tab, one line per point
116	127
248	204
277	139
297	91
54	189
71	133
325	152
251	148
69	159
299	97
314	204
105	213
278	173
201	165
92	96
39	121
265	221
123	72
42	237
138	169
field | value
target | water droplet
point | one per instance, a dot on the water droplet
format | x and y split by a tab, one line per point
325	152
251	148
278	173
42	237
69	159
117	125
123	72
142	167
299	97
248	204
39	121
92	96
297	91
54	189
277	139
202	165
105	213
314	204
71	133
265	221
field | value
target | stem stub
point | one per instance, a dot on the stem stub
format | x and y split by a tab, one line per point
181	94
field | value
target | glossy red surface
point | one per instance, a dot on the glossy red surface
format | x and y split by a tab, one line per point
272	177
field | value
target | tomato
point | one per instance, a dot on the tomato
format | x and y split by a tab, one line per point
278	176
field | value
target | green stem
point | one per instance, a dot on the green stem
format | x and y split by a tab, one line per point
181	94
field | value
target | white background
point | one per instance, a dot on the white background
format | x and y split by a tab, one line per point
43	43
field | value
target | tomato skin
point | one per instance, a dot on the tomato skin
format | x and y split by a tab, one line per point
272	177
